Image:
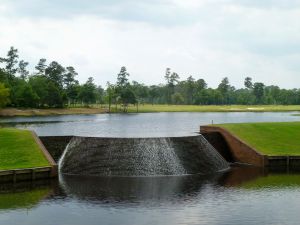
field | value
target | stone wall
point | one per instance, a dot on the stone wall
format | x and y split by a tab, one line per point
55	145
240	151
219	143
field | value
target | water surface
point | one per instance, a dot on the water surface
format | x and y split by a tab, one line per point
241	196
138	125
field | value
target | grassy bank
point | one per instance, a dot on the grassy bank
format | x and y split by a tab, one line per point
49	112
214	108
146	108
269	138
18	149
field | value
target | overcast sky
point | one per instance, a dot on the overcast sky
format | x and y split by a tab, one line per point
207	39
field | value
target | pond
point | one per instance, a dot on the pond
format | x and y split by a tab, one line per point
138	125
240	196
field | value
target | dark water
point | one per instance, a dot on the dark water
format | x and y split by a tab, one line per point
241	196
138	125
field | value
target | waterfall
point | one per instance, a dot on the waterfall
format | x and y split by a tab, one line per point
140	156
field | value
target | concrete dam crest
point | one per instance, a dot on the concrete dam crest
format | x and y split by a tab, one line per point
99	156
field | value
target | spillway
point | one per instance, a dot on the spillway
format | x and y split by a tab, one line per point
140	156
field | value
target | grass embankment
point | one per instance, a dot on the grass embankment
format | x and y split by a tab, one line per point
49	112
144	108
18	150
269	138
214	108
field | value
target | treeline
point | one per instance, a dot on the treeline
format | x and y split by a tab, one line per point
50	85
53	85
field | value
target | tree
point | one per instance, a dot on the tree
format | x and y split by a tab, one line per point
177	98
11	62
190	89
71	84
172	79
248	83
3	76
54	95
110	91
154	93
201	84
41	66
224	88
4	95
26	97
55	72
123	89
122	78
69	77
258	91
127	96
22	69
39	85
88	92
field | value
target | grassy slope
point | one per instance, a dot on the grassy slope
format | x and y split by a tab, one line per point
214	108
18	149
46	112
269	138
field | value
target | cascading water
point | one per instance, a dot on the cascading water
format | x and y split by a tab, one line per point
140	156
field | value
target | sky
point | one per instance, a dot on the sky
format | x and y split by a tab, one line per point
208	39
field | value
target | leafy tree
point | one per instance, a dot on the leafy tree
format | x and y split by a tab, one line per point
224	88
41	66
258	91
190	90
3	76
4	95
110	93
127	97
122	79
10	63
154	93
54	96
248	83
39	85
123	89
88	92
172	79
201	84
26	97
55	73
69	77
177	98
22	69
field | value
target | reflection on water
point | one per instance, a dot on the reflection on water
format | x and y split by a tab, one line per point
241	196
137	125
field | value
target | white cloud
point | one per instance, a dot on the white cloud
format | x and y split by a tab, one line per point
206	39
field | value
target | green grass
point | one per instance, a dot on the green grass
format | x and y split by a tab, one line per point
146	108
274	180
18	149
269	138
214	108
26	199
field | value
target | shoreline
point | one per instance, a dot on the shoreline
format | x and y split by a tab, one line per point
14	112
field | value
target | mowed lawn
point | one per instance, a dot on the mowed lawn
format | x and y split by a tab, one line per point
212	108
18	149
269	138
